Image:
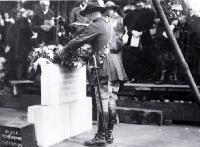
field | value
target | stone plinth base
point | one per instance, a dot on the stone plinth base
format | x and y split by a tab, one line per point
56	123
17	134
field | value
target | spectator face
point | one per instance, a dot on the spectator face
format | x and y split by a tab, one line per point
140	4
44	6
30	13
110	12
84	3
6	15
22	12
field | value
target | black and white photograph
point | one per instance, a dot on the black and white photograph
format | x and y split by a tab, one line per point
109	73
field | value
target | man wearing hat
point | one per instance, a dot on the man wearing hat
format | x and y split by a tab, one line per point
77	21
98	34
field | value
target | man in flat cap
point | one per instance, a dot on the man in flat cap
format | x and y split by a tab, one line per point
98	34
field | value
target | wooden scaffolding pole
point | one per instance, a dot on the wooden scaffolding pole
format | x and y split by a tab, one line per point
177	49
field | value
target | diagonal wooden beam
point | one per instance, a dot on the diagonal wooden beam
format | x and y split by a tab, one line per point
177	49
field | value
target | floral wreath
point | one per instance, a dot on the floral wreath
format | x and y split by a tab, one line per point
73	59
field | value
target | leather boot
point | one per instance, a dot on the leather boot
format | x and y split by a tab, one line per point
98	140
100	137
111	122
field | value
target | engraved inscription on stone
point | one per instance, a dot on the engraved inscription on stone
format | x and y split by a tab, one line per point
11	137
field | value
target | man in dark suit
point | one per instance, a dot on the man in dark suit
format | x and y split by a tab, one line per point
136	54
18	47
98	34
77	21
43	23
167	63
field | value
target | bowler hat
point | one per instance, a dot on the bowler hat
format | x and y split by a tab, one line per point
111	5
92	7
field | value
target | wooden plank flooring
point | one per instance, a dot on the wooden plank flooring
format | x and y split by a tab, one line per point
158	87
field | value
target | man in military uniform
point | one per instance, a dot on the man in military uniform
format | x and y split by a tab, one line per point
98	34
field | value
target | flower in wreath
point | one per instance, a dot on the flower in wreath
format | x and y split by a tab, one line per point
2	68
40	56
75	58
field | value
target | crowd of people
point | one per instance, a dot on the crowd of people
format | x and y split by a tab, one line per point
128	43
143	46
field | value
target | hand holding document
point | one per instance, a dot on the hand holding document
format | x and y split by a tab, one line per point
48	24
135	39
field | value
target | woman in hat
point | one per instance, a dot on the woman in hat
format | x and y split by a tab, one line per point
115	22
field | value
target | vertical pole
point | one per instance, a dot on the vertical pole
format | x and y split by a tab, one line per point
176	47
57	23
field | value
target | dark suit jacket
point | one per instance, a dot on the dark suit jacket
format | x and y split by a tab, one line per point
139	19
97	34
38	20
76	17
19	38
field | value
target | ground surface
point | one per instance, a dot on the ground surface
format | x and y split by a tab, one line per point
129	135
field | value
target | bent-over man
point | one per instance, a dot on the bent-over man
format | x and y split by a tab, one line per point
98	34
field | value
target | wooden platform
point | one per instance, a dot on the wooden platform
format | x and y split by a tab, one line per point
177	102
171	111
150	89
157	87
20	86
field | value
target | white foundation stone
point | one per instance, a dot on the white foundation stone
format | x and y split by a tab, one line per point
60	85
56	123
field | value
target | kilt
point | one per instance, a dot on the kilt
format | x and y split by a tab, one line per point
113	68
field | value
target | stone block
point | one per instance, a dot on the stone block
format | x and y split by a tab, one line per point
56	123
17	134
60	85
52	123
140	116
80	116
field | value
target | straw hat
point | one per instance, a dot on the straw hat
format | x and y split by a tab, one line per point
111	5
